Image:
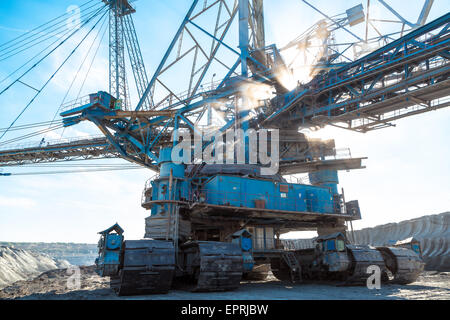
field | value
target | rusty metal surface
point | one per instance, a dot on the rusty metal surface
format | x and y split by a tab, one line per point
404	264
217	266
362	257
432	231
259	272
337	261
148	267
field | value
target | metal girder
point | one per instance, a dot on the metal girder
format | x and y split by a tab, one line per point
424	13
187	48
136	60
137	135
411	72
396	13
195	50
82	149
331	53
257	36
128	146
122	33
117	74
317	165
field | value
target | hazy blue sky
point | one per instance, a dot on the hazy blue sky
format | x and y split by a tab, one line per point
407	171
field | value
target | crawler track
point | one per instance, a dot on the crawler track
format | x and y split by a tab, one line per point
363	256
404	264
148	267
217	266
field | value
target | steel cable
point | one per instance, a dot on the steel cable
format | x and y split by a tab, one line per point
37	28
60	44
43	50
39	40
79	69
62	64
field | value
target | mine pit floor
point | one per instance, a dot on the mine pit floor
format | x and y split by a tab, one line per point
52	285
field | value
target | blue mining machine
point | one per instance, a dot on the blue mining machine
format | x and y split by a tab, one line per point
213	223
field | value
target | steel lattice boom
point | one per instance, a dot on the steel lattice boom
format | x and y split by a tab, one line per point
216	216
81	149
406	77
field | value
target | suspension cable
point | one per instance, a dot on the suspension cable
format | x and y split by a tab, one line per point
29	135
62	64
68	171
79	25
78	71
40	39
70	165
90	66
31	125
60	44
36	28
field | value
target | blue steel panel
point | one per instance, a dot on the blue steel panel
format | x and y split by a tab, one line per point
243	192
331	245
113	241
246	243
160	191
111	257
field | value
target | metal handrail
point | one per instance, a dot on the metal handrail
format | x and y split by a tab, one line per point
148	186
240	199
75	103
268	243
182	96
49	143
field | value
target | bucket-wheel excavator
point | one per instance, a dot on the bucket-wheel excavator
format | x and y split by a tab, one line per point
220	199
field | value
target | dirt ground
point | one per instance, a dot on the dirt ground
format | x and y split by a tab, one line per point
53	285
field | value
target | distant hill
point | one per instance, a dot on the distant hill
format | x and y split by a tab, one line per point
18	264
432	231
75	253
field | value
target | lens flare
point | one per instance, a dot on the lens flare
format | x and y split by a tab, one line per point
255	92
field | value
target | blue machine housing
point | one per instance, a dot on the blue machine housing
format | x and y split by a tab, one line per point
160	191
325	178
244	239
249	192
110	248
160	187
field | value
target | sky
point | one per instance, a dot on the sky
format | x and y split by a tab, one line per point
407	172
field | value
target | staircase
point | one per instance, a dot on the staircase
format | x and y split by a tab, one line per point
294	266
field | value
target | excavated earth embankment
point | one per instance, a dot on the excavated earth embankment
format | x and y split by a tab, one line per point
432	231
18	264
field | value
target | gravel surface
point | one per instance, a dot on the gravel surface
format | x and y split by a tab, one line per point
53	285
18	264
